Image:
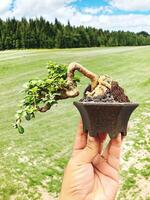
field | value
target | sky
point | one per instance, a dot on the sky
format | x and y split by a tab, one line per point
127	15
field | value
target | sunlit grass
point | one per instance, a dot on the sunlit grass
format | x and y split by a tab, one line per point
38	157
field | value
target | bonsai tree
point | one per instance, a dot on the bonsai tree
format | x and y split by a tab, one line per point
61	83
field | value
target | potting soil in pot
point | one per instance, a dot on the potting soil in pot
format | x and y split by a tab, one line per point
106	91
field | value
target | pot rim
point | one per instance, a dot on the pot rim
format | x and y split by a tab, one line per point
106	103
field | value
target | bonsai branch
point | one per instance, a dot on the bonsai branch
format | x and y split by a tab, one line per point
45	108
72	90
75	66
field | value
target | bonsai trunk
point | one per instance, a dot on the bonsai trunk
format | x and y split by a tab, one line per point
71	90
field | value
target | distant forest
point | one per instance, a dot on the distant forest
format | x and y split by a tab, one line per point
39	33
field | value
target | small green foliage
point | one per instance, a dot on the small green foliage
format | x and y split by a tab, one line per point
40	92
20	129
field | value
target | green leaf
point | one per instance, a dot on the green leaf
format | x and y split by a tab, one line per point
20	129
28	117
39	92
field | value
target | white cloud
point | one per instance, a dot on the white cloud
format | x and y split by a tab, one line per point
4	5
132	22
36	8
49	9
61	9
97	10
134	5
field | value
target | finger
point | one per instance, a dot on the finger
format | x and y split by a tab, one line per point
90	151
115	146
106	151
114	143
103	167
81	138
102	138
113	152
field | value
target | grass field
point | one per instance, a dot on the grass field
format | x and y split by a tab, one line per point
31	165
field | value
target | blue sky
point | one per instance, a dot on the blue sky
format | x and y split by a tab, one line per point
90	3
12	5
115	11
132	15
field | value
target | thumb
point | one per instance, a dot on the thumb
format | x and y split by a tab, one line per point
90	151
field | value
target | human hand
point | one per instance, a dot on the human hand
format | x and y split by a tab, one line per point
91	173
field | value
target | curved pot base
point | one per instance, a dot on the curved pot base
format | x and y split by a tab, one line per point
111	118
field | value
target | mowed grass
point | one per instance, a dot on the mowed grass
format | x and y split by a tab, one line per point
31	165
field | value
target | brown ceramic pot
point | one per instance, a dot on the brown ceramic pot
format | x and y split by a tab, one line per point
111	118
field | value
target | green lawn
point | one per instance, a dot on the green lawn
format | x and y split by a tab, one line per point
31	165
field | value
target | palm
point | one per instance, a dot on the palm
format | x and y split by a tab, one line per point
107	186
100	179
92	174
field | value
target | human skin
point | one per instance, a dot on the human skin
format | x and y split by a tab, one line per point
92	173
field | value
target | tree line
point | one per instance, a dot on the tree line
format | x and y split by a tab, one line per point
39	33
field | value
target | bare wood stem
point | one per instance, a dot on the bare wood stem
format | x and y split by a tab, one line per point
76	66
45	108
72	91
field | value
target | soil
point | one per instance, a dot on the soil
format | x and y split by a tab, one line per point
115	94
118	92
